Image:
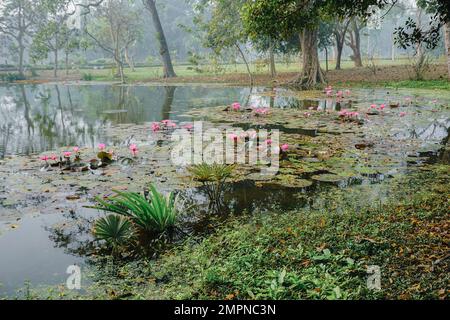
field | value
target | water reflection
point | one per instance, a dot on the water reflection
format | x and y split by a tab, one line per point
36	118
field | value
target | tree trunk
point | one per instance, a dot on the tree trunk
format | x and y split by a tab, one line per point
250	75
311	75
354	42
339	33
129	60
163	47
67	63
21	54
273	71
447	45
339	48
326	59
55	69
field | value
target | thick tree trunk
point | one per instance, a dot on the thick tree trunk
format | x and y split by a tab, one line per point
339	48
311	75
163	47
447	45
273	71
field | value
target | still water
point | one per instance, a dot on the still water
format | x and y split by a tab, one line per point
37	118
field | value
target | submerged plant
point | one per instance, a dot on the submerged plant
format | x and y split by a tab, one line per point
152	212
116	230
213	177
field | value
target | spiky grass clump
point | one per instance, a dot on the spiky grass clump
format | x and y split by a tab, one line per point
115	230
215	172
152	213
213	177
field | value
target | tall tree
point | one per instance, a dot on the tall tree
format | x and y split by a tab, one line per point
340	27
115	27
17	22
282	18
412	33
353	40
168	70
53	31
221	24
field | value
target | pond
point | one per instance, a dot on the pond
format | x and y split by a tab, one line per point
44	226
36	118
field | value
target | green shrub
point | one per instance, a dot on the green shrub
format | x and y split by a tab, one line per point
12	77
87	77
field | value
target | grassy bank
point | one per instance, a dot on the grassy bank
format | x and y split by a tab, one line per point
320	252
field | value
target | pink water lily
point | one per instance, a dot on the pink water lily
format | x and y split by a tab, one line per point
268	142
188	126
347	92
329	93
233	136
373	106
284	147
306	114
44	158
76	149
101	146
339	93
262	111
236	106
67	154
166	121
54	157
402	114
134	149
155	127
382	106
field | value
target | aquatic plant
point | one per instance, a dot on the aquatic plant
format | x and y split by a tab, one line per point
402	114
284	148
134	149
101	146
152	212
236	106
213	178
117	231
156	127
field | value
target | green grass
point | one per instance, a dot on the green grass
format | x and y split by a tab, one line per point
147	73
320	252
408	84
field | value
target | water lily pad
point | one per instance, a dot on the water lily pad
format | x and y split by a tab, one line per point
328	177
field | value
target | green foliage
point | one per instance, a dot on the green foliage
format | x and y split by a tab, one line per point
87	77
116	230
215	172
213	177
12	77
152	213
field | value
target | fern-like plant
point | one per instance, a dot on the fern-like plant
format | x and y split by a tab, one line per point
116	230
153	212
